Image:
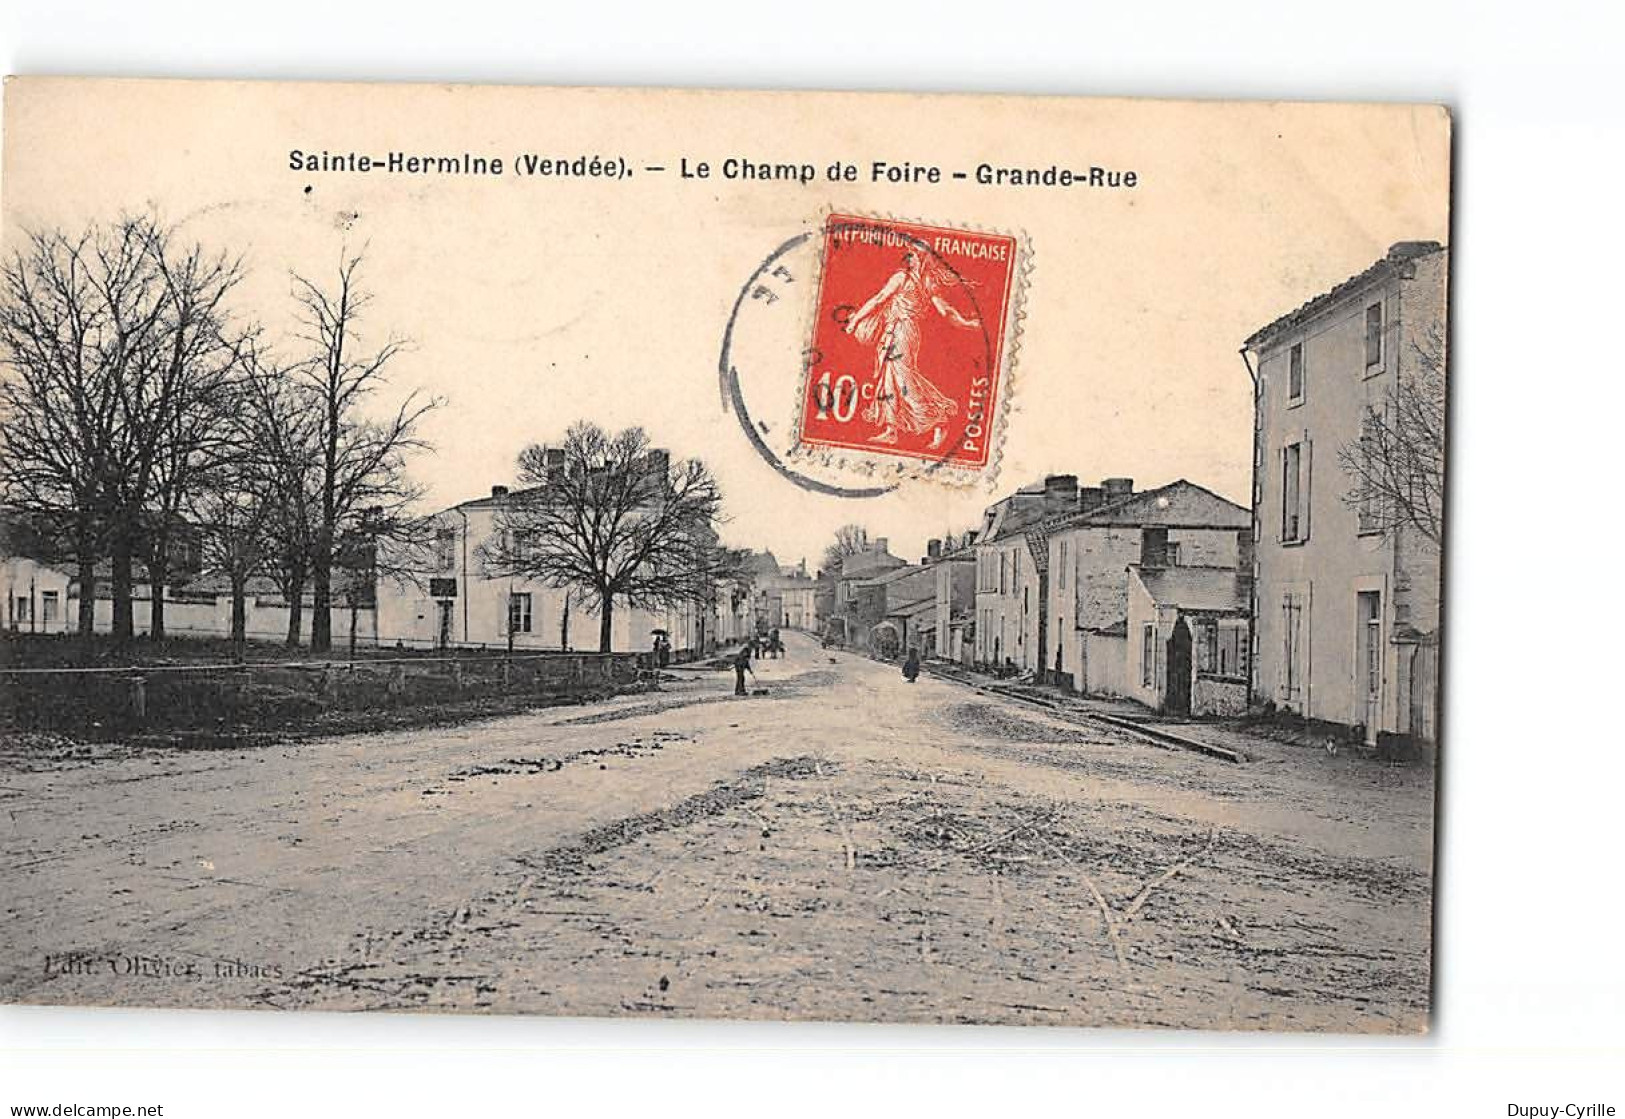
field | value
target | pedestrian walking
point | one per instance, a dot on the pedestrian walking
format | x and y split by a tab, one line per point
742	666
911	665
774	645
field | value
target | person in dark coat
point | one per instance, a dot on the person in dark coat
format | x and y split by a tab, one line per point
742	666
911	665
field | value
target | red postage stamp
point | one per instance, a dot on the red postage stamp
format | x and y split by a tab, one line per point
911	341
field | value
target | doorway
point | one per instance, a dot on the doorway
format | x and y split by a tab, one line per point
1177	698
1368	661
443	623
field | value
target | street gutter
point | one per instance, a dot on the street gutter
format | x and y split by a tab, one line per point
1155	735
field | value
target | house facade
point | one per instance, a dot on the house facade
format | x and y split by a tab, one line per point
36	597
955	606
1012	563
1186	631
457	599
1177	525
1346	601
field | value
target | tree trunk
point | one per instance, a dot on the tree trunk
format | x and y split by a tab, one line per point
157	579
606	617
85	552
123	588
321	600
239	613
295	593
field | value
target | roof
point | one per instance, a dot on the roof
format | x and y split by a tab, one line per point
1218	590
1118	628
919	606
864	565
1201	507
1398	255
895	574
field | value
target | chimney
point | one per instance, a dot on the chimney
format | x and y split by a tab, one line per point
1405	250
1060	493
499	492
933	549
1090	497
1117	488
879	546
553	459
1153	547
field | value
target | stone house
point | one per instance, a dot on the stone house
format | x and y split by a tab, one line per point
1187	638
1346	597
1177	525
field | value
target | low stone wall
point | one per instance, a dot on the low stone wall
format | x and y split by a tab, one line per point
1223	696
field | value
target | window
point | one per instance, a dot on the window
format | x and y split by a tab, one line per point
519	612
1373	335
521	545
445	549
1294	381
1060	576
1219	647
48	607
1370	510
1295	492
1148	655
1004	566
1171	554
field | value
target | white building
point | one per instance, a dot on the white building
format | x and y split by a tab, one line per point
459	600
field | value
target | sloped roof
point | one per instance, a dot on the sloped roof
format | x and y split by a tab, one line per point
1218	590
1398	255
1198	507
908	609
863	565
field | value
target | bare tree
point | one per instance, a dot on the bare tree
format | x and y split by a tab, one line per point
361	461
1396	466
615	523
200	394
236	500
849	540
114	342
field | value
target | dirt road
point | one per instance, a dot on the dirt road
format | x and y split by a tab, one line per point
847	846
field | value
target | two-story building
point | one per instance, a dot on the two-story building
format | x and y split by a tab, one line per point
1346	593
459	599
1090	552
953	562
856	607
1012	563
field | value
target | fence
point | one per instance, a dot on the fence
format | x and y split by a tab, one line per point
223	697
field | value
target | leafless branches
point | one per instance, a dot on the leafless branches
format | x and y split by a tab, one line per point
615	520
1396	467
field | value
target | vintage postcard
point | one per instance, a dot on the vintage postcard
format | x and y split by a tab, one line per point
849	557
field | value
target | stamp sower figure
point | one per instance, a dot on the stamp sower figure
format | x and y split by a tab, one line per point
742	666
890	322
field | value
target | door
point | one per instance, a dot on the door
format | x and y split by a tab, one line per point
443	624
1177	698
1368	661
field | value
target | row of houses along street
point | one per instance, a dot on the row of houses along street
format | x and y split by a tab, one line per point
1320	597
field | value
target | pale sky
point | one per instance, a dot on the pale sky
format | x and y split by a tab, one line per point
535	301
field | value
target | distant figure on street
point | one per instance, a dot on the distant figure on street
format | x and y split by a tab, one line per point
742	666
911	665
774	645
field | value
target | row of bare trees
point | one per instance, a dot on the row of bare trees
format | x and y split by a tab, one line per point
138	401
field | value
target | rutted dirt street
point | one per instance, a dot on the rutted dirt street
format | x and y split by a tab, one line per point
848	846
